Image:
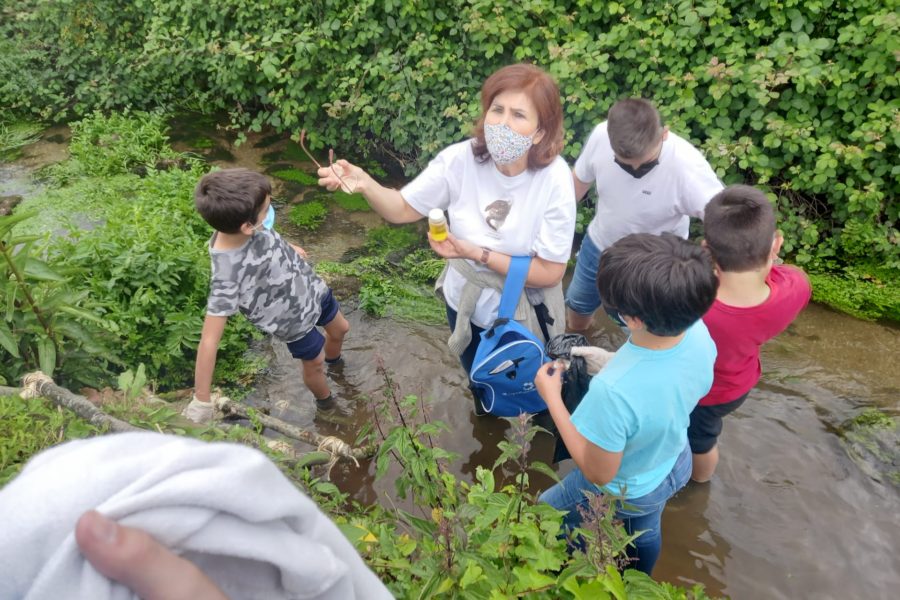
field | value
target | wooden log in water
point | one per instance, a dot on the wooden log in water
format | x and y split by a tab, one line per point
310	437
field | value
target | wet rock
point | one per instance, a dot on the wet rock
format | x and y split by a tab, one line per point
8	203
343	286
872	440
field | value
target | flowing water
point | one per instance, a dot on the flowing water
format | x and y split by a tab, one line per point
789	513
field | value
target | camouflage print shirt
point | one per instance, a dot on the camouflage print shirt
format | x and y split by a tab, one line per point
269	283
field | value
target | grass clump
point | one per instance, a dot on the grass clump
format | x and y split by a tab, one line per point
862	296
396	275
351	202
391	238
308	215
296	176
29	426
873	418
15	135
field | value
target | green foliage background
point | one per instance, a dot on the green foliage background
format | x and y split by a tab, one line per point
799	96
123	247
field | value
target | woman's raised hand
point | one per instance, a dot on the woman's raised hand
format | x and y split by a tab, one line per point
341	175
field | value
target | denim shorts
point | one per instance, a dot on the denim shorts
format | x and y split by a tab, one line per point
309	346
582	295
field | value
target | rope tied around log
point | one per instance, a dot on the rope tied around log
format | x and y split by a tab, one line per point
33	385
337	448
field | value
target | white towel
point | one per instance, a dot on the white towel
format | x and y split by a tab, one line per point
225	507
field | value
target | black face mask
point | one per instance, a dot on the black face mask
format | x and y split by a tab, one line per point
641	170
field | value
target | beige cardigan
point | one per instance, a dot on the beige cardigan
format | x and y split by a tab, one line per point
476	281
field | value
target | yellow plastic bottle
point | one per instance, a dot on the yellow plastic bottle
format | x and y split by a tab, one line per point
437	225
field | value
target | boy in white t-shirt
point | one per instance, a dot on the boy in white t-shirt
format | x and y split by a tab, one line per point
649	180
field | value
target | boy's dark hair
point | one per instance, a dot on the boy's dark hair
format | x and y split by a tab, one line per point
634	127
739	227
663	280
229	198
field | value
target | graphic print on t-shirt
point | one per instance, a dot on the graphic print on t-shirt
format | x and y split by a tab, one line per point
496	212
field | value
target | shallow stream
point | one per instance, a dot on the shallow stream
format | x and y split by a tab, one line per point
789	513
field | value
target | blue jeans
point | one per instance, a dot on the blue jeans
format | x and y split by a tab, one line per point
582	295
637	514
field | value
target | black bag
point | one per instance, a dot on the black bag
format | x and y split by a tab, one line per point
575	381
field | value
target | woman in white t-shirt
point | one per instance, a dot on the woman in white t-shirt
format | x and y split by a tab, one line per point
507	193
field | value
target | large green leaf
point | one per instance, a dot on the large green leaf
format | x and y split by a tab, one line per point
7	222
38	269
7	340
47	356
11	290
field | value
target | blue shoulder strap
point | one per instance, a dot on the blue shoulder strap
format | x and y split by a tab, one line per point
513	287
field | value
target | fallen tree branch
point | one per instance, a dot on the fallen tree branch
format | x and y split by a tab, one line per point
39	385
335	446
328	451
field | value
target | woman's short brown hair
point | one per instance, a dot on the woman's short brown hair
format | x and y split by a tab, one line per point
543	92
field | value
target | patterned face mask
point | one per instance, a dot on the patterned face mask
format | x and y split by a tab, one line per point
505	145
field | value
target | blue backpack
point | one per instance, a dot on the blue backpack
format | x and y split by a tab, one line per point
509	355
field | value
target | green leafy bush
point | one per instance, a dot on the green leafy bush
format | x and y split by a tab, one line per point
49	323
147	265
117	144
799	96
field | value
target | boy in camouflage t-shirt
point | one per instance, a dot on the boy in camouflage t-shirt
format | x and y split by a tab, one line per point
268	280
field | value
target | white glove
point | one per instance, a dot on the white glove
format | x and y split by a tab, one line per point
596	358
199	411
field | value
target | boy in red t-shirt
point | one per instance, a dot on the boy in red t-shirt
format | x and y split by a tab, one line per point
756	301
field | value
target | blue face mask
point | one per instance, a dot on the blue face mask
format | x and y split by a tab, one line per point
269	221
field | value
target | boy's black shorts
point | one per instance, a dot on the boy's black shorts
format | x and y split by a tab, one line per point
706	424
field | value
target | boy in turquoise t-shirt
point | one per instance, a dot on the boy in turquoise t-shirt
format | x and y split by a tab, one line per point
628	437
